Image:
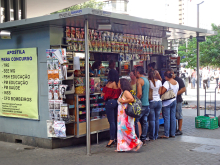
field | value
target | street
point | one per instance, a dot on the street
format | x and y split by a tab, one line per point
195	146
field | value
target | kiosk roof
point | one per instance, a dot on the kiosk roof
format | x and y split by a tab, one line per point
119	23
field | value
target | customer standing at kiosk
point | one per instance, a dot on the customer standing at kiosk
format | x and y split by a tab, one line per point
169	106
111	92
179	100
133	84
151	66
155	105
143	95
133	81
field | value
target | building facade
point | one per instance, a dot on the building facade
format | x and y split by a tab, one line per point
183	12
117	6
11	10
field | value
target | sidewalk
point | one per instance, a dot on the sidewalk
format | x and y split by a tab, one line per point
191	96
195	146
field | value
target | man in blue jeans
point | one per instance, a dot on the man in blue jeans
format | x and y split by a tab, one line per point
143	95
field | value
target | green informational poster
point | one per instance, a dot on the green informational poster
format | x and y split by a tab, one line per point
18	85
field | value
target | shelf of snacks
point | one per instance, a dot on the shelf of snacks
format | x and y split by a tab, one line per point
108	42
80	83
97	113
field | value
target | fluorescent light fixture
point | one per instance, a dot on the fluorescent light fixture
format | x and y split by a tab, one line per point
80	55
5	34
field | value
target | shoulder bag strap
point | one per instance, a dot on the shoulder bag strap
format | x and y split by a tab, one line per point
169	85
122	94
136	88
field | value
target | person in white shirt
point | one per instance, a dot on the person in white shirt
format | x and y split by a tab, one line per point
200	78
205	78
216	76
209	77
169	106
155	105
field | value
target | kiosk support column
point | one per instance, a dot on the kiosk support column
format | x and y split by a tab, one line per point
16	9
7	6
198	77
88	139
23	9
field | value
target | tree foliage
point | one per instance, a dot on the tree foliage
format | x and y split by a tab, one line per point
209	50
89	4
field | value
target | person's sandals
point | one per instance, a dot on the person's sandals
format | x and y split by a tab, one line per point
110	145
138	146
163	137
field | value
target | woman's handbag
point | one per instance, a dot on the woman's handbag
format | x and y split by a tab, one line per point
134	109
168	95
150	92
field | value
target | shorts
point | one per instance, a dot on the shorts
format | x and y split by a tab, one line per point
179	114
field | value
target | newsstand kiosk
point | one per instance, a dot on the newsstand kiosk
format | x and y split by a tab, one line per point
48	97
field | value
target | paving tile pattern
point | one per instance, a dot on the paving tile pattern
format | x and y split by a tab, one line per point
190	130
160	152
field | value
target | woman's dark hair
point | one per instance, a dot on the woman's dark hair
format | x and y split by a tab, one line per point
151	76
152	65
111	62
125	85
113	76
96	65
169	73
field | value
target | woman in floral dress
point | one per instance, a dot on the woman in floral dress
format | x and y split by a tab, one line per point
126	137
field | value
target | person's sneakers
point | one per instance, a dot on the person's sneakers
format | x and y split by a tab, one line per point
178	132
147	139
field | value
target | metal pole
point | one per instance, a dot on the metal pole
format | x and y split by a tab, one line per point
88	138
198	76
1	21
198	15
7	6
23	9
16	9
